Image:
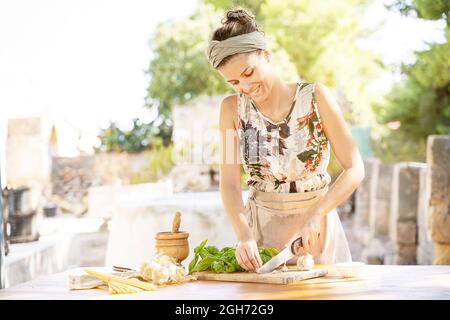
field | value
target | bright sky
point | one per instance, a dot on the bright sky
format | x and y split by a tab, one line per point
82	62
398	38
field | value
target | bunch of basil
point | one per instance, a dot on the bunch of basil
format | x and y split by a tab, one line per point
224	260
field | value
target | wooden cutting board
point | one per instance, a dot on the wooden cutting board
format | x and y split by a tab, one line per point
288	277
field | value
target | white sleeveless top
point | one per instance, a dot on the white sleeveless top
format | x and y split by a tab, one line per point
287	156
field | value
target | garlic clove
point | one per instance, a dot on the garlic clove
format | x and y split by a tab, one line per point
305	262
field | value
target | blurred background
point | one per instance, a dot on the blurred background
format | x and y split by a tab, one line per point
109	124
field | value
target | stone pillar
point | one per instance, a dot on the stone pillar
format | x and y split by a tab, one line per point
403	211
365	200
379	213
28	159
379	247
425	248
438	188
2	245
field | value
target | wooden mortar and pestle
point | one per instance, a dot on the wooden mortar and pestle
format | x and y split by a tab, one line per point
174	244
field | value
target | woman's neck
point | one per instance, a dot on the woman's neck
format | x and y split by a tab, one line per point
278	99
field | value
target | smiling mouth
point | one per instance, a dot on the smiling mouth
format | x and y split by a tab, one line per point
256	91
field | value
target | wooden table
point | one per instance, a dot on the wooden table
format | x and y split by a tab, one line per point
380	282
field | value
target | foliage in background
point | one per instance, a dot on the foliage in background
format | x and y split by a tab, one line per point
334	168
159	163
180	71
419	105
141	137
311	40
320	39
244	178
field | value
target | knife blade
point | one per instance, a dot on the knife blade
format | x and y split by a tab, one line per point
285	255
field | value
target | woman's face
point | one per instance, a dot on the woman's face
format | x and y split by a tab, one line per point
250	74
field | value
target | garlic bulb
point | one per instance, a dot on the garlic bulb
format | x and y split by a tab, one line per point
163	269
305	262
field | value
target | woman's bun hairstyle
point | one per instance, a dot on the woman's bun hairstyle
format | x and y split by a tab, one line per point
236	22
240	16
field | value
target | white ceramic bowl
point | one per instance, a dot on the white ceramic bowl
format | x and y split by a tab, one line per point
350	269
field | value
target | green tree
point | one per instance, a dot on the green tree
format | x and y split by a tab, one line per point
142	136
159	162
321	42
321	38
311	39
180	72
420	104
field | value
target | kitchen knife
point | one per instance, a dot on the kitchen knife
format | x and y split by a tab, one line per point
285	255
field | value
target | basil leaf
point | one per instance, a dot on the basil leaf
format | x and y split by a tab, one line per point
196	256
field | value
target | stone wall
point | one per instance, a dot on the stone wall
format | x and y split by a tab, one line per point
71	178
402	210
196	131
438	187
196	139
31	161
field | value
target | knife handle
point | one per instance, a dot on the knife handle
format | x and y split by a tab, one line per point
296	245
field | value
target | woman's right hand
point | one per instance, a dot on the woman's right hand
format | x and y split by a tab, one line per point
309	239
247	255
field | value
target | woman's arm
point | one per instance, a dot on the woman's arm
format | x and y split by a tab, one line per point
230	170
344	148
247	254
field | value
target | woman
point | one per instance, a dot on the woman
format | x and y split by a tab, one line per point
283	133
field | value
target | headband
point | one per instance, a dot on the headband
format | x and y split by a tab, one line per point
247	42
